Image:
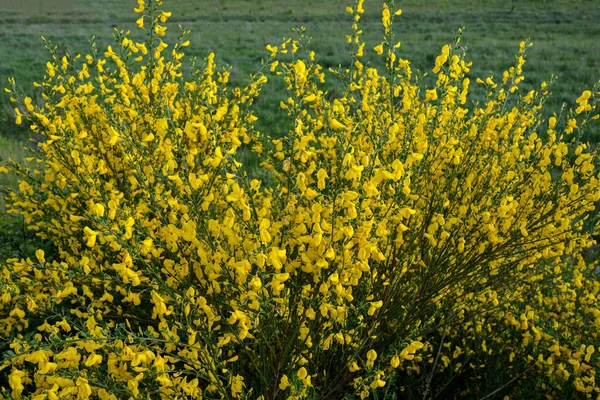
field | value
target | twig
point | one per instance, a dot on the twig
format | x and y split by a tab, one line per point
507	383
437	356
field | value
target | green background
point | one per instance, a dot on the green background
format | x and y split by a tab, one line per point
566	37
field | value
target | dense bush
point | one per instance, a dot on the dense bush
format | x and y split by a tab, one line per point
396	241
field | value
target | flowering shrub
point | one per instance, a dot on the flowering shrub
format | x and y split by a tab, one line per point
395	241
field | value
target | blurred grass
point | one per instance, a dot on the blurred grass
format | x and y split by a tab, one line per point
14	149
15	240
565	35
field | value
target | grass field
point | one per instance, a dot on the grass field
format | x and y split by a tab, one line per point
565	35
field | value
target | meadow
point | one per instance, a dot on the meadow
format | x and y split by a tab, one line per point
433	237
564	33
565	36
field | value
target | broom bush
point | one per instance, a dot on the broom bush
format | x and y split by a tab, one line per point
396	241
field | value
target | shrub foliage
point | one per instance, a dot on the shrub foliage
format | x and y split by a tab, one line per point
396	241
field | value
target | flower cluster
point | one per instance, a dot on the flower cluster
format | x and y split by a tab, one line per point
394	236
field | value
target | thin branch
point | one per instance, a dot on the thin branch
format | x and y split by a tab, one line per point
430	377
508	383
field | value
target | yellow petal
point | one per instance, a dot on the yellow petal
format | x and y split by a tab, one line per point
335	124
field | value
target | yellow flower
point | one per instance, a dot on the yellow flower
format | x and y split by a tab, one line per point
377	383
284	383
304	377
164	15
114	136
47	367
39	254
90	235
309	98
360	50
160	30
98	209
216	160
19	117
431	95
272	49
583	102
371	357
84	390
277	258
441	59
335	124
385	18
237	385
15	381
93	359
160	308
374	306
27	102
140	8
